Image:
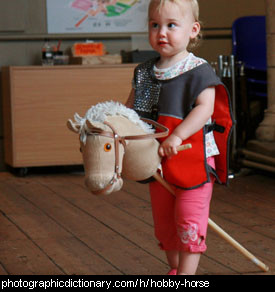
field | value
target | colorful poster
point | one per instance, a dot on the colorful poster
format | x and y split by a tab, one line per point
97	16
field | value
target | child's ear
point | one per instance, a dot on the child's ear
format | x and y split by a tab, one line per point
195	30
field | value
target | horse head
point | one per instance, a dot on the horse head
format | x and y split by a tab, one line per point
101	164
115	147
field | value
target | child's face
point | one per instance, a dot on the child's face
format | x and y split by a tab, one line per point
171	28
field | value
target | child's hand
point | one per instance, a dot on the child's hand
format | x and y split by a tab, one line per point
169	146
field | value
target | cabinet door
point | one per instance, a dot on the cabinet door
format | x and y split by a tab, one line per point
40	100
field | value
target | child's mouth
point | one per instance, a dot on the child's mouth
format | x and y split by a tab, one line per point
162	43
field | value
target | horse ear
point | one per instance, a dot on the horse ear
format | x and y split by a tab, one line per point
75	127
94	125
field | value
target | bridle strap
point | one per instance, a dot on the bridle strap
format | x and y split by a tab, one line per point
117	141
164	131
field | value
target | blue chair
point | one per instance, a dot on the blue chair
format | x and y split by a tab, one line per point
249	48
249	41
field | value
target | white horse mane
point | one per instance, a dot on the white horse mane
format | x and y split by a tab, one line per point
100	111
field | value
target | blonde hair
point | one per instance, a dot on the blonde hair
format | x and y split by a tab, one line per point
195	10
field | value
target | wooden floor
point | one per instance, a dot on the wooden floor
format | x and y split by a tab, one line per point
50	224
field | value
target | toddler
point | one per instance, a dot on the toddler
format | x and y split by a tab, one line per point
182	92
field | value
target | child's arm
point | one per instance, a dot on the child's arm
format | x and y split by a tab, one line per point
195	120
130	101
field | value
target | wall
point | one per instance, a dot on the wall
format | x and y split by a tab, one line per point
23	28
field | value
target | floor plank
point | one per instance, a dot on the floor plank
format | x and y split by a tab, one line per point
50	224
95	233
19	255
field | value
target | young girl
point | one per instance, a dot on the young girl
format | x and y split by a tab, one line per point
183	93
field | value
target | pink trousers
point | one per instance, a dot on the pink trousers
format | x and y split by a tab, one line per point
181	221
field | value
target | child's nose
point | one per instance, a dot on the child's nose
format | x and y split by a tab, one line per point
162	31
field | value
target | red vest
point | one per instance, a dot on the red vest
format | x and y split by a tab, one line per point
176	98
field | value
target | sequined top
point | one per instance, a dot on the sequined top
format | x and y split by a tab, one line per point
151	90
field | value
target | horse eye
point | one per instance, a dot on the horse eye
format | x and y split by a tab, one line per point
107	147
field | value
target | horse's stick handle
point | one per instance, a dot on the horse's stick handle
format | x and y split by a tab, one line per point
237	246
219	230
184	147
163	182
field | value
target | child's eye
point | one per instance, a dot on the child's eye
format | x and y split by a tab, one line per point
171	25
154	25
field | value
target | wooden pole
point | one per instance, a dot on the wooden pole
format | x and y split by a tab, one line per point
237	246
215	227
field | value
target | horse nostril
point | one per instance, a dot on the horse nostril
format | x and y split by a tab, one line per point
99	186
96	182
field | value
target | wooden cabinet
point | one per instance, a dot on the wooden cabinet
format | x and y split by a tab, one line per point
38	101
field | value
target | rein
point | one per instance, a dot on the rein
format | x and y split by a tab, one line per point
122	139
